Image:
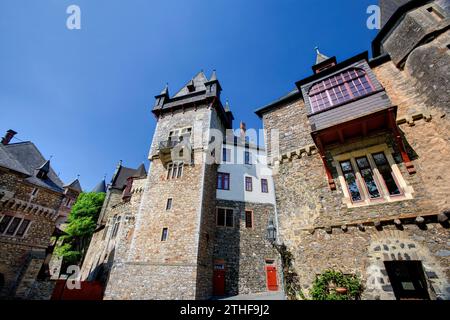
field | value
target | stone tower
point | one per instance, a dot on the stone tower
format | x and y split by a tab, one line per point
171	244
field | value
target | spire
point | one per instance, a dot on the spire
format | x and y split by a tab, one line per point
100	187
213	76
320	56
74	185
165	91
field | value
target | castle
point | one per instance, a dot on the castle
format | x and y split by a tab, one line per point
34	203
356	180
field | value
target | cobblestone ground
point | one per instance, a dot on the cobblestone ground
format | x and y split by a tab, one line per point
258	296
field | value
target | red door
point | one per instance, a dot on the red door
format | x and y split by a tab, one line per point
219	280
272	283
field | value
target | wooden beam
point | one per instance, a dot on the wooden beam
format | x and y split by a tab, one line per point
331	182
364	128
341	135
398	138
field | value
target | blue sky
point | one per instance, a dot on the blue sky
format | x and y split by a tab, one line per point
85	96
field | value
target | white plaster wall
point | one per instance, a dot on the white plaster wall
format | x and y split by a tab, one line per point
238	171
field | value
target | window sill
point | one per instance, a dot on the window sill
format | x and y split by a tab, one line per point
374	202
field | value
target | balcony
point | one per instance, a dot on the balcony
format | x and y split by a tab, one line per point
175	150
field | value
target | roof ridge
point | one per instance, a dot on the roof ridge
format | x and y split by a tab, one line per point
16	143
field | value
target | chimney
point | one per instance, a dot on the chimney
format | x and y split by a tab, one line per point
8	136
243	130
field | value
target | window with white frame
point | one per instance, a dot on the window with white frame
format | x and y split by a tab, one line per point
180	134
34	193
371	176
226	155
174	170
13	226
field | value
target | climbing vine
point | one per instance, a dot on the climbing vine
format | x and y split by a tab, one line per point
334	285
291	284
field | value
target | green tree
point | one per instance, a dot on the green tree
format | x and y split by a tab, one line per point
81	225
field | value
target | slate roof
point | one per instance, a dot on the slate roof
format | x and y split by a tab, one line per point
10	162
25	158
119	179
199	84
100	187
74	185
140	172
286	97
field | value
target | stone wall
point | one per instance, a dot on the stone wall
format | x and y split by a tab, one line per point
103	248
363	253
311	215
245	250
21	258
293	126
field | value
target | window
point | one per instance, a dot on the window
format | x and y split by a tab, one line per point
4	223
226	155
247	156
338	89
180	134
34	192
174	171
248	219
350	178
248	184
264	186
14	226
165	234
225	217
371	176
367	174
23	227
169	204
116	227
437	15
386	172
223	181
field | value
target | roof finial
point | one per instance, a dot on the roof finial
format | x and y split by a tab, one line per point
320	56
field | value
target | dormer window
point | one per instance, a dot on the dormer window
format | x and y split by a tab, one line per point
338	89
191	86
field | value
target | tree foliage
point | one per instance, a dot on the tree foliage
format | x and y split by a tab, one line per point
81	225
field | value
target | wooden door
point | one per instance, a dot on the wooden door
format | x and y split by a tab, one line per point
272	282
407	279
219	280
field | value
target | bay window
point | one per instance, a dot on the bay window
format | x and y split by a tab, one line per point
370	176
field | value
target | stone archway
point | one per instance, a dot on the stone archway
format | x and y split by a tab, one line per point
395	245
